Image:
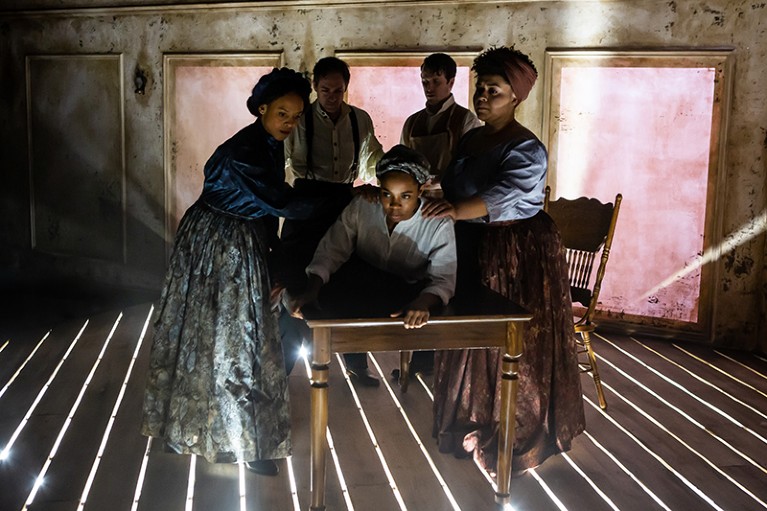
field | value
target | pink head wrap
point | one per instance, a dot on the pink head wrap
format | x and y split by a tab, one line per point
507	61
521	76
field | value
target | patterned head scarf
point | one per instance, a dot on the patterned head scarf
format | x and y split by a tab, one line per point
517	67
404	159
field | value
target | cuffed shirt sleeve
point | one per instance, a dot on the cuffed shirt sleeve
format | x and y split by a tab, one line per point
338	244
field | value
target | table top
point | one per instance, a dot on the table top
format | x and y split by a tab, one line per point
475	306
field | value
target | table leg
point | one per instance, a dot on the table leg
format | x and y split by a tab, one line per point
319	417
509	383
404	369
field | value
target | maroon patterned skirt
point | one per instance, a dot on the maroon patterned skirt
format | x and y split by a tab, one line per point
524	261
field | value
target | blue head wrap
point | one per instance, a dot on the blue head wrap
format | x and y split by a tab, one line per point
278	83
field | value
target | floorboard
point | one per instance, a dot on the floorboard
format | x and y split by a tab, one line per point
82	438
702	403
18	346
22	392
165	485
730	420
362	470
468	486
114	483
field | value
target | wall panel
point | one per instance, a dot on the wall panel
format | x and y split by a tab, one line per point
76	155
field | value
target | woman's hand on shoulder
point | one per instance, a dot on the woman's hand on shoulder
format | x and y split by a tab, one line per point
437	208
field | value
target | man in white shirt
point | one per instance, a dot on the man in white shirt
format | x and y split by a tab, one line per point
435	132
335	157
333	146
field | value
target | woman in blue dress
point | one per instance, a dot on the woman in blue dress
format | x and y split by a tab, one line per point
217	385
494	188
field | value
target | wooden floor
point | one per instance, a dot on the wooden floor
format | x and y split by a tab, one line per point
685	430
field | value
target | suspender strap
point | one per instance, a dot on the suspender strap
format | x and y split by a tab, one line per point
356	139
310	143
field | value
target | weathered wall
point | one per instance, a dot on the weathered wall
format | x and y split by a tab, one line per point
310	30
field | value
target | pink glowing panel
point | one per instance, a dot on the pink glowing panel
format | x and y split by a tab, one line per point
646	133
391	94
209	107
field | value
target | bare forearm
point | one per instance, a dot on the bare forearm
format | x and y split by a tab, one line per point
469	209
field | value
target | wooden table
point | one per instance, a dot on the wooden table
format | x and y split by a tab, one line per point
478	320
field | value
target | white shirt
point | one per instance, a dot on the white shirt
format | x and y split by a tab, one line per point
333	147
417	249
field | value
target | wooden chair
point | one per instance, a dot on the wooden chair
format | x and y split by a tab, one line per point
587	227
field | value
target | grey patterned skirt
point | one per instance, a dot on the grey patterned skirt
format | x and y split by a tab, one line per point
216	385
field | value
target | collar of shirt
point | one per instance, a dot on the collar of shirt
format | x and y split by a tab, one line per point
345	109
450	101
273	142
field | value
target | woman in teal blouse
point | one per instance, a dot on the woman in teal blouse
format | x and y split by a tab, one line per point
217	385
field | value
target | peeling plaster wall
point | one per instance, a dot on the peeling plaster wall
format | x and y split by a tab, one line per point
312	30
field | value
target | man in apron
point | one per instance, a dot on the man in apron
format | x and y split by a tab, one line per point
435	132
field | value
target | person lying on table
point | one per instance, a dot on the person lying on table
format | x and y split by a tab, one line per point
384	256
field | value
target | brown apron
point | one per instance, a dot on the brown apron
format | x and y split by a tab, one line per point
437	147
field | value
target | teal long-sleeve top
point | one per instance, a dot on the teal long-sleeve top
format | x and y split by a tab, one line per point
245	177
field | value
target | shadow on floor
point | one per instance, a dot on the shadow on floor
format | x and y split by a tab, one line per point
29	302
